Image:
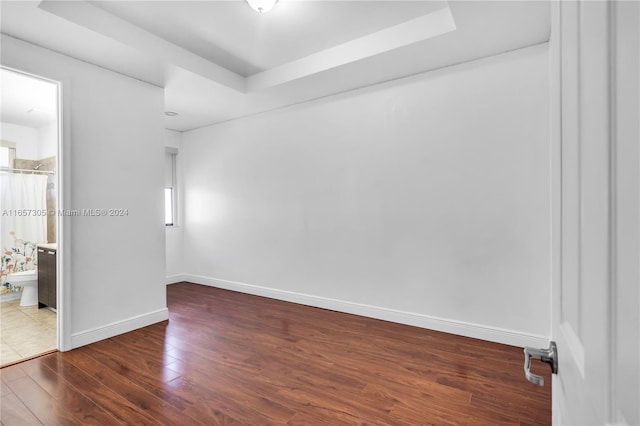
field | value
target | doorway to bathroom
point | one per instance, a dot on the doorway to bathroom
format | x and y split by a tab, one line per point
30	129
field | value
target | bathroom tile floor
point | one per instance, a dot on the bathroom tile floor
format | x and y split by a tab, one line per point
25	331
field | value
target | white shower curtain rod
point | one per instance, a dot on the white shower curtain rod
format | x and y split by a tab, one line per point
11	170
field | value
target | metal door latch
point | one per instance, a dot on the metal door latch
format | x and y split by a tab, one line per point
549	356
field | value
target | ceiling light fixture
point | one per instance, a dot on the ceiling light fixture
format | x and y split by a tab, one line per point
262	6
170	113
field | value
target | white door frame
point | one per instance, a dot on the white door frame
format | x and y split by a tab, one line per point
62	231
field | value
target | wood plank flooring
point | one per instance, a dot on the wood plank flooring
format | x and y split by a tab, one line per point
230	358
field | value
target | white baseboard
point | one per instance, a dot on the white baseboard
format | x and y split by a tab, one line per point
172	279
492	334
119	327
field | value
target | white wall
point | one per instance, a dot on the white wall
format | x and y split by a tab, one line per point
31	143
113	126
423	200
48	141
174	234
25	138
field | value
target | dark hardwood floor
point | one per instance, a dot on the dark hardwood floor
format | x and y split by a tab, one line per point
230	358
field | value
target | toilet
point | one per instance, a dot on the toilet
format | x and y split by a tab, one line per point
28	280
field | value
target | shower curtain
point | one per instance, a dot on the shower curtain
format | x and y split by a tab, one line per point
23	220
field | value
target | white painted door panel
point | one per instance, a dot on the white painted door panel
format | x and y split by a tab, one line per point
587	225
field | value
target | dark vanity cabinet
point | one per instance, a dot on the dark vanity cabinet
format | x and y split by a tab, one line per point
46	276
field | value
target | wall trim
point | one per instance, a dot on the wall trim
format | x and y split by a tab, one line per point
176	278
477	331
119	327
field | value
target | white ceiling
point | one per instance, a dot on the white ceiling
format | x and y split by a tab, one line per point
219	60
230	34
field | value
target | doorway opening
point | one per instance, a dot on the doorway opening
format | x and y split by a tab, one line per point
30	227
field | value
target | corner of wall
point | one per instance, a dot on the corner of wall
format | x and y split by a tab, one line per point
119	327
461	328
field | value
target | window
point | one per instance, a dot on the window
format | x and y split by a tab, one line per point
7	154
168	206
170	187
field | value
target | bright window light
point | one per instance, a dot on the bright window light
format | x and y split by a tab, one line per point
4	157
7	156
168	206
170	185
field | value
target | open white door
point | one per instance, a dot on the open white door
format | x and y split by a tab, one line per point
595	91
